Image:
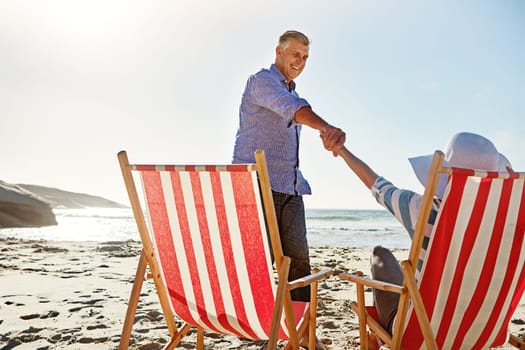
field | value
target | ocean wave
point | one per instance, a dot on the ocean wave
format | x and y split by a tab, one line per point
109	217
95	213
335	218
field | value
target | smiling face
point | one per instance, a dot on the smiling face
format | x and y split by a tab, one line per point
291	58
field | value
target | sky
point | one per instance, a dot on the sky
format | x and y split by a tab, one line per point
82	80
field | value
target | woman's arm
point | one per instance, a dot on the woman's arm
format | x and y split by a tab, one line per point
360	168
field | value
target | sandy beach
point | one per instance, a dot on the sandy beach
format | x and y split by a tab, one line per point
73	295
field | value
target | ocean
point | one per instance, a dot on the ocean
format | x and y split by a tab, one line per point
325	227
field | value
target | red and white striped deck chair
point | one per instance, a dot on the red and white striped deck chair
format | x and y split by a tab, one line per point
473	275
205	240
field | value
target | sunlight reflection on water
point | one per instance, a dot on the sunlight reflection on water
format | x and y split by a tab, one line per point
334	228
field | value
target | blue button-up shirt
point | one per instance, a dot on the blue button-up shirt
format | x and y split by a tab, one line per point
266	121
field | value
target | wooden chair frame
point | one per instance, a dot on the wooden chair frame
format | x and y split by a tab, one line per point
408	291
282	299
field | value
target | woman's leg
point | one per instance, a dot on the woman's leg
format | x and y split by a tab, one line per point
386	268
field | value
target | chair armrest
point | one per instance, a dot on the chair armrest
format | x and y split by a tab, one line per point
389	287
309	279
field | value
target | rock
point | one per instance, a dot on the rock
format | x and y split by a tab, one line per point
32	206
22	208
70	200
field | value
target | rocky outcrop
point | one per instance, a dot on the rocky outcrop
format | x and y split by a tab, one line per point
32	205
71	200
22	208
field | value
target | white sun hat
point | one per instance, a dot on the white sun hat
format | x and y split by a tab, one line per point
464	150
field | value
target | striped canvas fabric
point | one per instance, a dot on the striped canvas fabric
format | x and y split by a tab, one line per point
208	229
474	274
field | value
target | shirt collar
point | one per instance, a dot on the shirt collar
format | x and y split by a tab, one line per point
290	85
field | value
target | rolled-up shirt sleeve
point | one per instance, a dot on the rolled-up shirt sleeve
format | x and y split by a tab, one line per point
403	204
269	93
266	121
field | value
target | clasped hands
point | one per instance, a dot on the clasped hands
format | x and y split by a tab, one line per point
333	139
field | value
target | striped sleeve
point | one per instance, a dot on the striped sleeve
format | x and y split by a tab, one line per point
404	205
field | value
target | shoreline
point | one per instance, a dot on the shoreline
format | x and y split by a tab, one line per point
74	294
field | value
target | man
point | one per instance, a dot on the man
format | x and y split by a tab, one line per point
464	150
270	118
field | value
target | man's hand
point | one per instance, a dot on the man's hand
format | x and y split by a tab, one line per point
333	139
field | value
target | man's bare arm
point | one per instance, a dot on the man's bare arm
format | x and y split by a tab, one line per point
334	137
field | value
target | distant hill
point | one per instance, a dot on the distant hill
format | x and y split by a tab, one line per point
71	200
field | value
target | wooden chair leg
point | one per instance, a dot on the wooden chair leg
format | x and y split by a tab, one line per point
363	334
424	323
200	339
517	342
176	339
313	315
133	301
278	308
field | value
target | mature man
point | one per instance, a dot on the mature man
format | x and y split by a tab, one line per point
270	118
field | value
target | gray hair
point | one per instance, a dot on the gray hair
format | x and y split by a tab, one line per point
293	34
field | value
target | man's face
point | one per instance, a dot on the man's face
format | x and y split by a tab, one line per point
292	59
